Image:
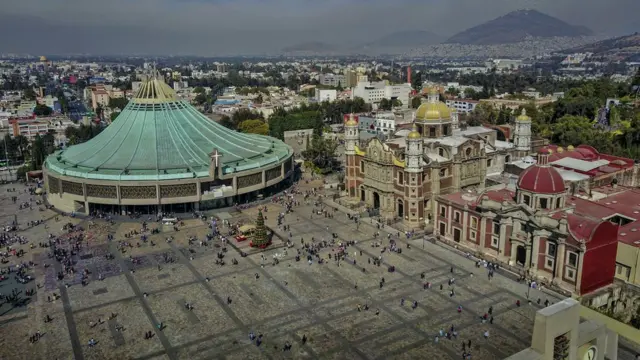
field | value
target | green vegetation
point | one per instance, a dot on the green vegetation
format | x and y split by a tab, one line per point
386	104
117	103
572	119
313	116
321	155
282	121
238	117
415	102
255	126
42	110
78	135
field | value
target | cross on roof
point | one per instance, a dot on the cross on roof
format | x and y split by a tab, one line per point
214	155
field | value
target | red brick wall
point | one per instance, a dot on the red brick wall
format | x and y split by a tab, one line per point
599	266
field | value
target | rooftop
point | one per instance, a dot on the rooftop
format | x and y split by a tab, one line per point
158	137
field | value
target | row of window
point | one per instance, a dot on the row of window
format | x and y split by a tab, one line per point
400	175
543	202
571	260
623	271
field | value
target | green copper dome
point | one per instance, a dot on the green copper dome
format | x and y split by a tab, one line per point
158	137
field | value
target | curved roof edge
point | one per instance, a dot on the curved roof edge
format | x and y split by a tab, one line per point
61	169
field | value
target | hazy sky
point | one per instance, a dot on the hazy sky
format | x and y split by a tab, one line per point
218	27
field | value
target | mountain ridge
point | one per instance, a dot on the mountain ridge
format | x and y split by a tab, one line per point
517	26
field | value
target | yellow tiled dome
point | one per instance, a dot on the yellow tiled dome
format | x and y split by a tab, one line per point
414	134
433	111
523	116
352	121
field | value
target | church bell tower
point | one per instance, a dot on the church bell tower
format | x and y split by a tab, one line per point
411	208
352	162
522	135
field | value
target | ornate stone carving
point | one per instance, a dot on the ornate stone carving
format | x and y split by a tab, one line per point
54	186
272	173
137	192
102	191
249	180
179	190
70	187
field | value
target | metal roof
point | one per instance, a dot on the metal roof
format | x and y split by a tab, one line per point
158	137
580	165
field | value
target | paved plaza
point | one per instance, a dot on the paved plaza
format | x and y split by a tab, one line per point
286	302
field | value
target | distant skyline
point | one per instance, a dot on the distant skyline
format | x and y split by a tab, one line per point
226	27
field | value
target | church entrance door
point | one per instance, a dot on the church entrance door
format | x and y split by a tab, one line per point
521	255
376	200
400	209
362	195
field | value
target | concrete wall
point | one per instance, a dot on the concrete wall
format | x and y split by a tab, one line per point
68	202
628	261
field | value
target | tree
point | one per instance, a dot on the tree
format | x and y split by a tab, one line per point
469	93
260	236
22	144
117	103
78	135
198	90
385	104
481	114
38	153
258	99
255	126
42	110
29	94
226	122
321	153
416	102
572	129
396	103
200	99
114	115
416	81
453	91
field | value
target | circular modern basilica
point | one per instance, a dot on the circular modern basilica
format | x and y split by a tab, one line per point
161	154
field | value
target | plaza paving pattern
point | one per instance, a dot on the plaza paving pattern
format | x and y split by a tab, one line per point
288	300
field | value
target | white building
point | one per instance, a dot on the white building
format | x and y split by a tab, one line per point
462	105
374	92
385	123
504	64
326	95
334	80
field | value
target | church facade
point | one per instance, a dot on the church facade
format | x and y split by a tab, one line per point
402	177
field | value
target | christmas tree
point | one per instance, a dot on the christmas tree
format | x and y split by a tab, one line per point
260	237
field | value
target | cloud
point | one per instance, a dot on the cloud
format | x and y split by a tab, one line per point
210	27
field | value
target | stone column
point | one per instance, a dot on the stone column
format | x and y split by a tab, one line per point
535	252
465	217
583	248
528	246
455	170
560	259
503	236
482	237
